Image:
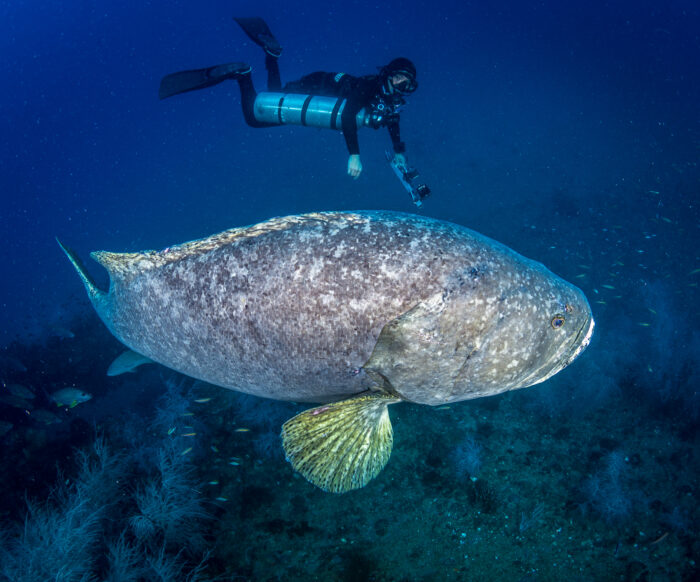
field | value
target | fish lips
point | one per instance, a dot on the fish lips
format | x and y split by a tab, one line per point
570	350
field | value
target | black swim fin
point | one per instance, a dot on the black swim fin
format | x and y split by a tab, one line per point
184	81
259	32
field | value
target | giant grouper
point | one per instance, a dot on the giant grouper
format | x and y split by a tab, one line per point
354	310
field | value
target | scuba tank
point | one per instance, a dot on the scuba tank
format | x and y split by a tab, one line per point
316	111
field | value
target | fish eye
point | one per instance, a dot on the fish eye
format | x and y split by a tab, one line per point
558	321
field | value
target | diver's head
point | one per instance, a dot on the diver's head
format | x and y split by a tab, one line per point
399	76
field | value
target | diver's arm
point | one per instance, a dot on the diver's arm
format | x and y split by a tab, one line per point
349	125
399	146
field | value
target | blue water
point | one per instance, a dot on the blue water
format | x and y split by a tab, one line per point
569	133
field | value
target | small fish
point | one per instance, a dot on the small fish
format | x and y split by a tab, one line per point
606	286
584	266
202	400
16	401
70	396
214	448
651	370
187	450
171	431
221	499
666	219
60	332
644	324
128	361
21	391
242	430
189	434
694	272
619	264
214	482
650	309
45	417
234	463
582	275
12	364
187	414
602	302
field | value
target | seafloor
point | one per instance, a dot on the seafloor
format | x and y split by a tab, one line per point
539	484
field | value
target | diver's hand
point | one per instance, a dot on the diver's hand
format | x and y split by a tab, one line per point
400	160
354	166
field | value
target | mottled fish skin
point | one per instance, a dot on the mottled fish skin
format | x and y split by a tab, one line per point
292	309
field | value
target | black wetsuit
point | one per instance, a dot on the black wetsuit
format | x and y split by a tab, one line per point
359	91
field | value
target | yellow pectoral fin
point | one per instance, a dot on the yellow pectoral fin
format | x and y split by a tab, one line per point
343	445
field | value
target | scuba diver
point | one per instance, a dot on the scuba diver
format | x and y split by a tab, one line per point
332	100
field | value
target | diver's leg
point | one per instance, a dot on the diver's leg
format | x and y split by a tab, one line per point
248	95
274	81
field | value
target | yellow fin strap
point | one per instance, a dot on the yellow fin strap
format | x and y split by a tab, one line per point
343	445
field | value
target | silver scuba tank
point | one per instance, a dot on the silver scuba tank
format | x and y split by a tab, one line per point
309	110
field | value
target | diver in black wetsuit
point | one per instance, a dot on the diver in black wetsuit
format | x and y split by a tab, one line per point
381	95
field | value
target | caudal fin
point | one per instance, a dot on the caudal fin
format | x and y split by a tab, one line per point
96	294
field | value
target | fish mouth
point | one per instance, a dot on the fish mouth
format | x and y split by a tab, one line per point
576	348
579	346
566	353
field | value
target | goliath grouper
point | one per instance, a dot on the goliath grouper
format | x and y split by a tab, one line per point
355	310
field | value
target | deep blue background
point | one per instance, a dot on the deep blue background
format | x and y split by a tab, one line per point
521	107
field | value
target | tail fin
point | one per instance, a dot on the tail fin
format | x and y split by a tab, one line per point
96	294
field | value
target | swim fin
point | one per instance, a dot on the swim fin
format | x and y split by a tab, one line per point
259	32
184	81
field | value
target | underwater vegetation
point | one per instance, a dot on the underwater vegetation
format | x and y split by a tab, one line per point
109	521
606	491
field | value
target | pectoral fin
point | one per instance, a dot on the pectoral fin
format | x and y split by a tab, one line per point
343	445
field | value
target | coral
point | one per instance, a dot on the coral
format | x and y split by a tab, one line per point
467	458
164	567
61	537
171	512
606	491
67	537
125	561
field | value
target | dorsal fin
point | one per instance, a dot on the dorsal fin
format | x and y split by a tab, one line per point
122	265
